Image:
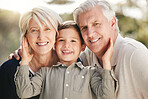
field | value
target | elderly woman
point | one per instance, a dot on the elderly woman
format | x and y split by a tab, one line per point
39	27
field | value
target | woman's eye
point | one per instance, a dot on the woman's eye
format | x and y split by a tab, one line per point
47	29
34	31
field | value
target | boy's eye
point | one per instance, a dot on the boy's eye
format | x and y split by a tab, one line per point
61	40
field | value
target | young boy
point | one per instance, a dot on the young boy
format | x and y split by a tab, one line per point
68	79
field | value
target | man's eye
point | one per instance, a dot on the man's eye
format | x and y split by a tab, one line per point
84	28
73	41
97	24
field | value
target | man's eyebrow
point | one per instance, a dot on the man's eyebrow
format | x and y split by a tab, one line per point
96	21
59	37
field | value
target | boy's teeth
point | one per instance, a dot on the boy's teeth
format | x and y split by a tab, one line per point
66	51
42	43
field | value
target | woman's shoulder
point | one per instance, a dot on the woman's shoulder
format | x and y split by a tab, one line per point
10	65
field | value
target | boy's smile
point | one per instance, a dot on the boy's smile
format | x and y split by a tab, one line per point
66	52
68	46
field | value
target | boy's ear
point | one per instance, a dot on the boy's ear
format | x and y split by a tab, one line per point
83	47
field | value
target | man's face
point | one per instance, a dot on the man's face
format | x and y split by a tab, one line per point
96	30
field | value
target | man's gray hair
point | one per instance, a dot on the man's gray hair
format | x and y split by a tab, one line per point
87	5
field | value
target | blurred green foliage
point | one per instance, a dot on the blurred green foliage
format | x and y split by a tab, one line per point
10	34
134	28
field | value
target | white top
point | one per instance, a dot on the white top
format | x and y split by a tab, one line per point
130	64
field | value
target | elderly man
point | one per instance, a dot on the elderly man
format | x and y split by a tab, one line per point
98	23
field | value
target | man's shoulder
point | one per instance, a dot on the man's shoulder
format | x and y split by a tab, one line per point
131	45
134	43
86	52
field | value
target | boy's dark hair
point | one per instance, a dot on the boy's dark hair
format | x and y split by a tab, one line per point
71	24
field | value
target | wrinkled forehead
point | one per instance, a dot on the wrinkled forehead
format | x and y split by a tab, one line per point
92	15
91	11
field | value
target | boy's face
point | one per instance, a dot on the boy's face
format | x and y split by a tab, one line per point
68	46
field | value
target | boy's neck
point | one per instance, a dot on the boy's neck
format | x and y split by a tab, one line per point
67	63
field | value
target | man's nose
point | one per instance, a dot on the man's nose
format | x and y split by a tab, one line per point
90	32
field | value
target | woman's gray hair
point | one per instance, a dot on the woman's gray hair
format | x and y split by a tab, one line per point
40	15
87	5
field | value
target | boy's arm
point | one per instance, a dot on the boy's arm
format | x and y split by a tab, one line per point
104	85
25	86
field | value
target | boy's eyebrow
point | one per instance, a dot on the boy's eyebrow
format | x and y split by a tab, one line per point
71	37
75	37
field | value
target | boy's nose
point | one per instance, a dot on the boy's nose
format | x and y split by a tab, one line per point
67	44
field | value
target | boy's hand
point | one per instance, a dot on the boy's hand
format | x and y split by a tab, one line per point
107	56
26	56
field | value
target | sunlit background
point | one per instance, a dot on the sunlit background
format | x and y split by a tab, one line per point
132	15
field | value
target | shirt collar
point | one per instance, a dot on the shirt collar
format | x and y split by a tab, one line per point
58	64
78	64
31	71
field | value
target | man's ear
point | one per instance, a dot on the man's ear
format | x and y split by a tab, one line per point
54	46
113	23
83	47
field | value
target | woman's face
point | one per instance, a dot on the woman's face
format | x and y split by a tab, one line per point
41	39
